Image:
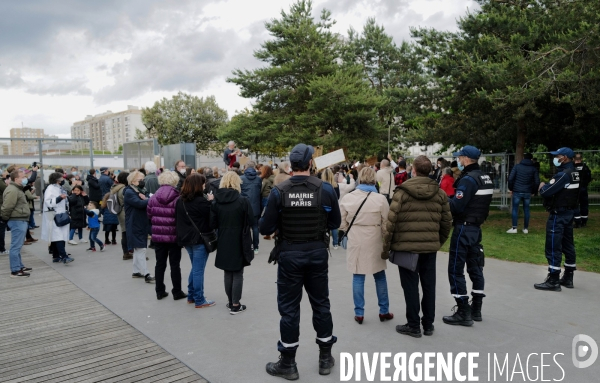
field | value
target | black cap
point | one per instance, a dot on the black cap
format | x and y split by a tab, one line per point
103	169
301	155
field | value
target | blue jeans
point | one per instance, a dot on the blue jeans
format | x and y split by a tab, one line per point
358	290
198	257
334	236
516	199
255	233
263	203
93	238
79	232
17	238
31	220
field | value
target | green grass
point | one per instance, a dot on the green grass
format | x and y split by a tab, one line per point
529	248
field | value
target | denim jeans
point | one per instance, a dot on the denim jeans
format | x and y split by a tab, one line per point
17	238
198	257
358	290
334	237
31	220
94	238
516	199
79	233
255	233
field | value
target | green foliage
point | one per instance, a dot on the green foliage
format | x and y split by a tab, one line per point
185	118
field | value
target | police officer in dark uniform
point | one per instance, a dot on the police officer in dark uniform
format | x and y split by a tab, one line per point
470	208
560	199
301	211
585	177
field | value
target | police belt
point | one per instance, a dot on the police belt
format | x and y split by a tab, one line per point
465	223
561	209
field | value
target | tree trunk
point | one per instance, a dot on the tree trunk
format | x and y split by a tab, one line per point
521	137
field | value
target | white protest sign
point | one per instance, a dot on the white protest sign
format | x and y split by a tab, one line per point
330	159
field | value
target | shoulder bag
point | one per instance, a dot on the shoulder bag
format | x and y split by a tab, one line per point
344	240
63	219
209	239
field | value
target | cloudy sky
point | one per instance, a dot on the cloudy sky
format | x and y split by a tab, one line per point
62	60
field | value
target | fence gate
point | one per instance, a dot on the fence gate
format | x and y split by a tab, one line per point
182	151
137	153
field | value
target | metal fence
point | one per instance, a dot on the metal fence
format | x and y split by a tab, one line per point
185	152
137	153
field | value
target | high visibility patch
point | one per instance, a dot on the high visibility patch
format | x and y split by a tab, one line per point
552	181
459	194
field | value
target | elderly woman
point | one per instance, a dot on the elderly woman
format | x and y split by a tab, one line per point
193	218
228	215
365	242
55	202
161	211
136	222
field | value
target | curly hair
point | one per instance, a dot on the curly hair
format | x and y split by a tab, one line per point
231	181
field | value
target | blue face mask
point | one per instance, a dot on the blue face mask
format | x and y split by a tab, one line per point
74	173
460	165
556	162
24	181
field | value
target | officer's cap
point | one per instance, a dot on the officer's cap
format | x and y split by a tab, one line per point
301	155
567	152
103	169
468	151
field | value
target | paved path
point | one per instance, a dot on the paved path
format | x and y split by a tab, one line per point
52	331
518	320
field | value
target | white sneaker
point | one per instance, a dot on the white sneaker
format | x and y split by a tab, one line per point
255	251
512	231
525	231
335	247
72	242
84	241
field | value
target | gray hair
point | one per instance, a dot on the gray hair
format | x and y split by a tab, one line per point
385	163
168	178
367	176
150	167
208	172
251	164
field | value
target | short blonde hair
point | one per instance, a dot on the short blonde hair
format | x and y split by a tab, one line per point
133	175
232	181
168	178
367	176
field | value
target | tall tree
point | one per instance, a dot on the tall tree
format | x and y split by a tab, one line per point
185	118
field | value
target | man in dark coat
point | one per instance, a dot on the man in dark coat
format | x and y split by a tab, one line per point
522	183
251	185
180	168
105	182
95	192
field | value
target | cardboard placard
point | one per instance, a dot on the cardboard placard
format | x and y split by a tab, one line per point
372	160
243	160
330	159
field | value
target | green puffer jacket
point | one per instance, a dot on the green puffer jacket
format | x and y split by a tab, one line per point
419	220
15	206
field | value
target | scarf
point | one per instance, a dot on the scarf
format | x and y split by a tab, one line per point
367	188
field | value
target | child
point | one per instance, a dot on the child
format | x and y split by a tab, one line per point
110	222
93	211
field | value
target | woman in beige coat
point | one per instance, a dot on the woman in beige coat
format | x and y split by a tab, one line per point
365	242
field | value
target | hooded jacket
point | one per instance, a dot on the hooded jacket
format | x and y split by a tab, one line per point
524	177
14	205
419	220
136	219
251	186
95	193
161	211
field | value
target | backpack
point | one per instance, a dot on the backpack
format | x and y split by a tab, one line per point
113	205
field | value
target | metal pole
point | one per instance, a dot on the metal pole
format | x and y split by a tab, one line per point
41	175
91	154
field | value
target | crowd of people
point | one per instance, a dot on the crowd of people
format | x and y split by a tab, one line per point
388	213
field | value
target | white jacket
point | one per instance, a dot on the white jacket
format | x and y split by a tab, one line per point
346	188
385	179
51	232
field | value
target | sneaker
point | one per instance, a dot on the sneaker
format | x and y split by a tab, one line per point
512	231
19	273
127	256
113	242
237	309
26	269
72	242
91	249
83	240
255	251
137	275
102	248
335	247
206	304
55	260
525	231
67	260
149	278
4	252
227	305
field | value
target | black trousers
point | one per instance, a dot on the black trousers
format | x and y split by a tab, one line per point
425	272
59	247
583	208
559	240
234	282
465	248
2	235
124	243
172	252
308	269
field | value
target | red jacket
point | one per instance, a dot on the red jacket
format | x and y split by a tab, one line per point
400	177
446	184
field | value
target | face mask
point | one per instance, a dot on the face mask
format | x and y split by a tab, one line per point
141	184
556	162
24	181
459	165
74	173
182	171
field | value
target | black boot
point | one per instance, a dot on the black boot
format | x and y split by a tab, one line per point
326	361
462	316
476	308
551	283
576	223
567	279
286	366
584	222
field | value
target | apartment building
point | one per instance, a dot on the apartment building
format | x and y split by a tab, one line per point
108	130
22	147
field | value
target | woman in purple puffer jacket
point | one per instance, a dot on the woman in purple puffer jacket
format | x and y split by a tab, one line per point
161	211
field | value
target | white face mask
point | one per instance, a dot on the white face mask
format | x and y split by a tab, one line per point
182	171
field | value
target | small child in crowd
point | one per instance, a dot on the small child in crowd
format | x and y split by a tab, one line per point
93	212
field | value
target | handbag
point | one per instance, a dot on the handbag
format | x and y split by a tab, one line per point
62	219
209	239
344	240
247	250
404	259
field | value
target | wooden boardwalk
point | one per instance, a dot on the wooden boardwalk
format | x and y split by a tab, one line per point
51	331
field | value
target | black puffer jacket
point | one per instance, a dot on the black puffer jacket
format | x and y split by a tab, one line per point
95	193
77	203
524	178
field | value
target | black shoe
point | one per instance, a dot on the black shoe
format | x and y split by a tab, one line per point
428	331
410	331
26	269
566	280
476	308
462	315
18	274
551	283
237	309
55	260
162	295
326	360
285	368
179	295
149	278
137	275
